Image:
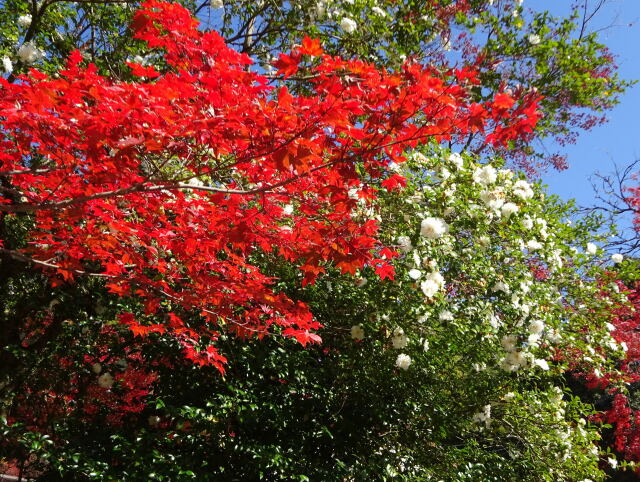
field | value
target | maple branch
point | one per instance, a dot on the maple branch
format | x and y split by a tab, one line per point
26	259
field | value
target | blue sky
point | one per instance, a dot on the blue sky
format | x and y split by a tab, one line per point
617	141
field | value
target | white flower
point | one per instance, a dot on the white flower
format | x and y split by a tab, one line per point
360	282
433	228
533	339
415	273
508	209
7	66
430	288
348	25
425	345
554	336
533	245
509	396
501	286
217	4
420	158
508	342
522	189
494	321
320	9
527	223
542	364
399	340
394	166
429	263
432	284
29	53
445	315
536	327
534	39
437	277
479	367
403	361
493	199
617	258
96	368
404	244
24	21
378	11
506	173
122	364
456	160
288	209
105	380
514	361
357	332
484	416
484	241
612	462
485	175
591	248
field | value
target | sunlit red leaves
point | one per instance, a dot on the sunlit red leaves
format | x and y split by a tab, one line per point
394	182
302	336
119	154
142	71
287	65
311	47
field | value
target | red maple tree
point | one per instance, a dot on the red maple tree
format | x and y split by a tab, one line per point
172	185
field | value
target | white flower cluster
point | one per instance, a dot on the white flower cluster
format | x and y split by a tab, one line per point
433	284
7	65
348	25
28	53
403	361
433	228
456	159
485	175
24	21
617	258
491	269
404	244
399	340
523	190
534	39
483	417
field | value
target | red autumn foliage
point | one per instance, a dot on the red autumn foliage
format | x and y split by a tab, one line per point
170	186
621	414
